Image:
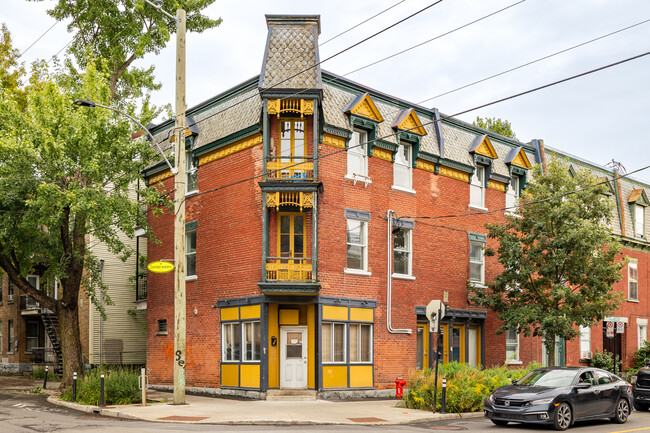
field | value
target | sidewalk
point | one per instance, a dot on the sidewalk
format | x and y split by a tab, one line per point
211	410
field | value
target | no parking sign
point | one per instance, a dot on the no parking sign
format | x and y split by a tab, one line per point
610	330
620	327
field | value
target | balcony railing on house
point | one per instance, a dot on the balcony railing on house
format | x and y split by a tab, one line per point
288	269
141	288
290	168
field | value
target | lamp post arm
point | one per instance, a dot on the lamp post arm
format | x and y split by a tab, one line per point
160	9
137	122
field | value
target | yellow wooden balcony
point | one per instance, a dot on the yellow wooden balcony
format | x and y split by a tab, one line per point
288	269
290	198
289	169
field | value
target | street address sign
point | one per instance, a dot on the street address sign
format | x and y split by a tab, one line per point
159	267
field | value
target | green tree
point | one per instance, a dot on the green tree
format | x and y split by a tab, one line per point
497	125
11	70
122	31
65	173
559	258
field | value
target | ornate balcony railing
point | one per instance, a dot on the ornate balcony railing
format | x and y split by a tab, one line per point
288	269
291	168
141	288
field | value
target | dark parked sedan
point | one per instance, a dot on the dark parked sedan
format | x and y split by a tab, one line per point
560	396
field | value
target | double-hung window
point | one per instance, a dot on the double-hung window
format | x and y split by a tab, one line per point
10	292
252	341
191	174
512	196
360	342
357	156
190	251
357	240
402	251
402	168
639	221
585	342
477	188
334	342
31	336
642	331
512	345
632	282
1	346
231	341
10	336
476	262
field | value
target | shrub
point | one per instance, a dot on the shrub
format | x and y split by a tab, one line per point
39	373
120	387
641	355
467	386
606	361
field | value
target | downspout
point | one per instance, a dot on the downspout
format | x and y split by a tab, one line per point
389	216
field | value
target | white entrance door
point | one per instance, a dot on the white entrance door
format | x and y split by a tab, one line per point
293	354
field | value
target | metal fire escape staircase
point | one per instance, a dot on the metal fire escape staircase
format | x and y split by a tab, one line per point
51	323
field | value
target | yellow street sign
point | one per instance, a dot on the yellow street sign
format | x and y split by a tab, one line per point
159	267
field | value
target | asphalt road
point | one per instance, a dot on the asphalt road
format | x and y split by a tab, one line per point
22	411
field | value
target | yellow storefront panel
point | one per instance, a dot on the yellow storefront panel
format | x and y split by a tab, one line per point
230	313
289	317
274	353
335	376
311	348
250	376
250	312
361	314
361	376
229	374
335	313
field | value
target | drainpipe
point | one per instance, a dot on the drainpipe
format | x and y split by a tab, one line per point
389	216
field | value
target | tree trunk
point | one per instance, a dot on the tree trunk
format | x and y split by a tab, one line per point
70	344
550	346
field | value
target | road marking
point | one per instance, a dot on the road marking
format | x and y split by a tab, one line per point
634	429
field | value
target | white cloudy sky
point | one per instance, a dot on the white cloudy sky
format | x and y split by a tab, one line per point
599	117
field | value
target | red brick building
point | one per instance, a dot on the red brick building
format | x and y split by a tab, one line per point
309	263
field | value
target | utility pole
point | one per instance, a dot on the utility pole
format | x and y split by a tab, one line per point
179	215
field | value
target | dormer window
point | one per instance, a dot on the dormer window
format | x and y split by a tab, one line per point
477	188
512	195
402	168
357	154
638	201
639	221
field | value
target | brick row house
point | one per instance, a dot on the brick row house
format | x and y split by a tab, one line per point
309	265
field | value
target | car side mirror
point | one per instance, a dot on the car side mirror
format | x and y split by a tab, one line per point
583	385
514	381
646	362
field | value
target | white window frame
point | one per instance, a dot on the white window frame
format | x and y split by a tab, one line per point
363	245
477	188
408	250
29	339
255	356
585	342
189	253
639	221
11	289
11	336
632	281
359	348
515	342
357	153
332	325
403	173
642	331
480	261
512	196
191	174
233	329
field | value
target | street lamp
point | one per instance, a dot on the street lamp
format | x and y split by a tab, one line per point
92	104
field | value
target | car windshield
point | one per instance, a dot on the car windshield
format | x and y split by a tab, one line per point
553	378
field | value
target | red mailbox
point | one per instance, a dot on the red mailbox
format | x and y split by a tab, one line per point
399	387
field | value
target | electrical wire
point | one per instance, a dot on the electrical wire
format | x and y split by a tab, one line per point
534	61
436	120
362	22
432	39
38	39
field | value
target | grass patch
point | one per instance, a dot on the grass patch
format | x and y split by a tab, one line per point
467	386
120	387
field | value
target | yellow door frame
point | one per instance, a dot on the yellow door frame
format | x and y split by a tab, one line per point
445	342
425	343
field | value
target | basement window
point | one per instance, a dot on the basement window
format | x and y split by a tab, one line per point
162	327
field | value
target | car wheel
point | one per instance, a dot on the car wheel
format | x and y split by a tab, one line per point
563	417
640	406
622	411
499	423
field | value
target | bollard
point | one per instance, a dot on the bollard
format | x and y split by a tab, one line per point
74	386
45	379
143	384
101	390
444	396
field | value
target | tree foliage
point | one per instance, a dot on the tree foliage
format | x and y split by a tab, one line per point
494	124
558	255
122	31
66	173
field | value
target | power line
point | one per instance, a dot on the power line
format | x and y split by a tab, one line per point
38	39
438	120
309	68
432	39
532	62
362	22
